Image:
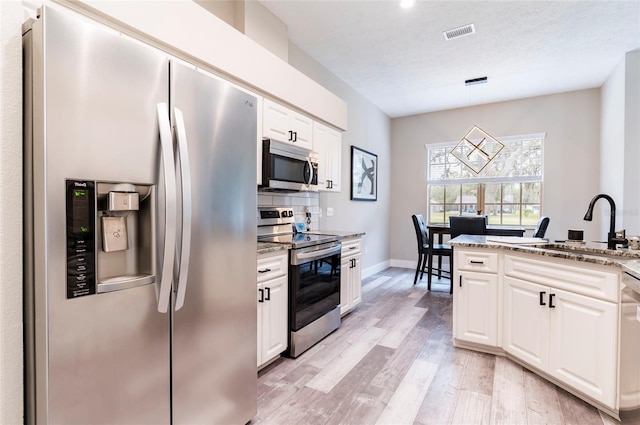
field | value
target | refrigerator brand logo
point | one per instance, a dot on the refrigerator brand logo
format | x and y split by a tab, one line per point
249	104
79	184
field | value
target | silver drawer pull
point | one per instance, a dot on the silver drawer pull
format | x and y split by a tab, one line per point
264	270
476	262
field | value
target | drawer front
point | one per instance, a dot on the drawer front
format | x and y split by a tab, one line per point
351	247
476	261
567	275
272	267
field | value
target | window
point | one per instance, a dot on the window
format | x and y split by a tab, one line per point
508	190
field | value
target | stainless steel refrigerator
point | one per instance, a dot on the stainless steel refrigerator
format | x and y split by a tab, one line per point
140	233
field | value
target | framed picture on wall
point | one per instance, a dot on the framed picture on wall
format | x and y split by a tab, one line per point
364	175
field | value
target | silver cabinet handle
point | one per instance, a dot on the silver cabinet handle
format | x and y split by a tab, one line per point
185	173
166	144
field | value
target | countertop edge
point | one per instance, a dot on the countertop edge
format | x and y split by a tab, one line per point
480	242
268	247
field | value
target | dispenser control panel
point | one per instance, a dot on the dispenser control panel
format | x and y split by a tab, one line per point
81	213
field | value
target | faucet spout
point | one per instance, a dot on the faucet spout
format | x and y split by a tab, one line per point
611	237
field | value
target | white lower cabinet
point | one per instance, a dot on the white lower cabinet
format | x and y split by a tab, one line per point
475	299
570	336
561	317
476	302
350	275
273	304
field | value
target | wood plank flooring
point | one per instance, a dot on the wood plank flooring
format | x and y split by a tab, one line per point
392	362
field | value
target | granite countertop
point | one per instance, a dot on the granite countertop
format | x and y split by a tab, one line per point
594	253
268	247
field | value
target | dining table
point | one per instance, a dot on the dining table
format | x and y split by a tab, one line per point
445	229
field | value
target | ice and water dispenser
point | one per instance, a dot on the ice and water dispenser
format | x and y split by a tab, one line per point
110	236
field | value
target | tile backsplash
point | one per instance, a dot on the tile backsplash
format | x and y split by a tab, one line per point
301	202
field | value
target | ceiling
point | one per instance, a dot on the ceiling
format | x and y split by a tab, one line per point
400	61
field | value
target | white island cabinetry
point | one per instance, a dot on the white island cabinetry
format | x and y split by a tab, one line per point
563	320
476	297
273	300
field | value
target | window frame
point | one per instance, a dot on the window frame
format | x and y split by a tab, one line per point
482	181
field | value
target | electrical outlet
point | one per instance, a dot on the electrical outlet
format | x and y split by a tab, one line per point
319	212
366	250
329	212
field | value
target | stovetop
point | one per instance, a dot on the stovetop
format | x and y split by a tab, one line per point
299	240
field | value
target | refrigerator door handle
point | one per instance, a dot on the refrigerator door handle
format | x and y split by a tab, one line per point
185	170
166	144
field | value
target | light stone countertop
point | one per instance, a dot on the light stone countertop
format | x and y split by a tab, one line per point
594	253
269	247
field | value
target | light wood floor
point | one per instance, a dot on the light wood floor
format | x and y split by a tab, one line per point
392	362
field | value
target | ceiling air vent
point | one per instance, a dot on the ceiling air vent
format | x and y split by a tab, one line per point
459	32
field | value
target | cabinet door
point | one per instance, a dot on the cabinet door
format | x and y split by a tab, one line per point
303	129
260	296
321	147
276	121
356	281
334	141
476	300
526	321
583	344
274	318
327	143
345	285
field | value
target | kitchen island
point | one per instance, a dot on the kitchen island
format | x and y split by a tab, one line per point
561	310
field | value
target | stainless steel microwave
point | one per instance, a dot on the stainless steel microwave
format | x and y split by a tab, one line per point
288	168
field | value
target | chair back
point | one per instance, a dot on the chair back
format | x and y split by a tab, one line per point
541	228
421	231
466	225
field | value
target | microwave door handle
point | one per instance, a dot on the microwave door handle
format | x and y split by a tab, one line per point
185	174
310	171
163	293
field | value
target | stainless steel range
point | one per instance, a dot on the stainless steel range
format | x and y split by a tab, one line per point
314	278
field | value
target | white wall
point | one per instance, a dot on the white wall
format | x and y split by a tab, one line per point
571	151
11	389
369	129
631	210
620	144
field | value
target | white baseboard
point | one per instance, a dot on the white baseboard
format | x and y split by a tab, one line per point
404	264
375	269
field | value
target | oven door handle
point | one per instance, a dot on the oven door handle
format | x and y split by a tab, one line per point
315	255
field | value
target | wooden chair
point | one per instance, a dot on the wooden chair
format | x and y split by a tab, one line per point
423	252
541	228
467	225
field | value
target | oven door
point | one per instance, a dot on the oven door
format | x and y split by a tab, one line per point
314	283
287	167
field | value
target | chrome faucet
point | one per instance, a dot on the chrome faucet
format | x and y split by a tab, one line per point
612	240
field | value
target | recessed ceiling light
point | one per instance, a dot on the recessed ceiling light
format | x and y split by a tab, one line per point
407	3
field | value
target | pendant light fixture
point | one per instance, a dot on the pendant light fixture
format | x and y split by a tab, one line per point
477	148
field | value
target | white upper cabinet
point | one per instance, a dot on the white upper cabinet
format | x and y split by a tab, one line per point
284	125
327	143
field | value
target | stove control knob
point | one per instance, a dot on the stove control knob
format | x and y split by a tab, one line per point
290	213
